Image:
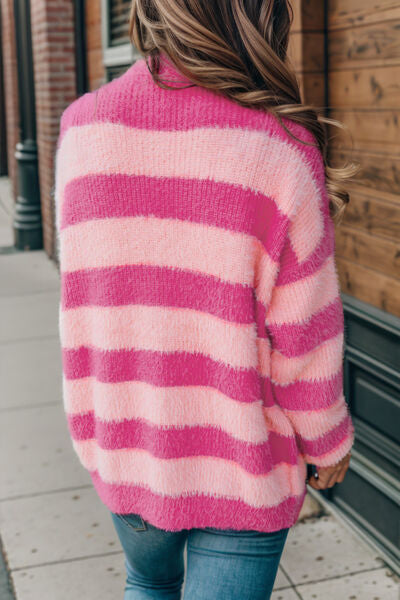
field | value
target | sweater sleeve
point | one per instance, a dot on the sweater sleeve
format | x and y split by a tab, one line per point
305	327
83	105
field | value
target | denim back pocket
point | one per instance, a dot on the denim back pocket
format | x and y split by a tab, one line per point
133	520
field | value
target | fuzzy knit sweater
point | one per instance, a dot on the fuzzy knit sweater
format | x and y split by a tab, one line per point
200	317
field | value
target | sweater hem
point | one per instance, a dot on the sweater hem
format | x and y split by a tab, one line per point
197	510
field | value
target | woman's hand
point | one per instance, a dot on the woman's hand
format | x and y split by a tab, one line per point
328	476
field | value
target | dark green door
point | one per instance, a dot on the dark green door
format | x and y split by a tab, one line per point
370	494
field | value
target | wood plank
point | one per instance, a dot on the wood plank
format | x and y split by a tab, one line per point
365	249
373	130
312	88
365	88
350	13
296	24
373	215
355	187
369	286
306	51
378	147
370	45
308	15
378	172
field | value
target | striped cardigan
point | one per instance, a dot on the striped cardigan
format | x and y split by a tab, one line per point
200	318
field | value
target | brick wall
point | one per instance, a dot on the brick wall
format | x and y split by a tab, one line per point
10	85
53	44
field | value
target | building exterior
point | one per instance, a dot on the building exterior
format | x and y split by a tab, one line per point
347	57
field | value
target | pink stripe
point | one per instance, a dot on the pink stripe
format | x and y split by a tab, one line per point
277	421
303	238
165	369
166	406
154	286
328	441
150	240
198	201
138	326
298	301
199	510
196	405
323	362
292	269
306	395
188	475
259	318
80	111
264	274
311	425
224	113
222	154
296	340
334	456
185	441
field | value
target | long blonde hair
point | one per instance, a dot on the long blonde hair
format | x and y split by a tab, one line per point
237	48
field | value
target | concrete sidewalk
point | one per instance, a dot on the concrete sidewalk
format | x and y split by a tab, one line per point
58	539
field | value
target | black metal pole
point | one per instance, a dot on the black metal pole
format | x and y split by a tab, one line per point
80	47
28	234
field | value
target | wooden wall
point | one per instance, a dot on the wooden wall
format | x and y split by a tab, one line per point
306	49
364	93
360	76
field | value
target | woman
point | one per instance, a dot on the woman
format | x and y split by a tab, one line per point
200	317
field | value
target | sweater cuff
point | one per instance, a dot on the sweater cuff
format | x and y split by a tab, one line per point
331	458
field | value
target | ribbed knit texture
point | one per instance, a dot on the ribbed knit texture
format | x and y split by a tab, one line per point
200	318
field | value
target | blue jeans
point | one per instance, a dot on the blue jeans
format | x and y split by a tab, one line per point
222	564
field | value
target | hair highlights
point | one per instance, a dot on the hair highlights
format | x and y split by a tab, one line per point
237	48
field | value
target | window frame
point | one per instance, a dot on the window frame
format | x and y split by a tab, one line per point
114	56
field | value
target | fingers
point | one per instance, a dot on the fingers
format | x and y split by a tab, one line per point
343	472
338	476
343	469
312	482
333	479
329	476
328	480
319	484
